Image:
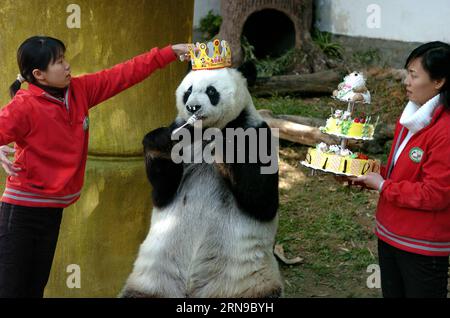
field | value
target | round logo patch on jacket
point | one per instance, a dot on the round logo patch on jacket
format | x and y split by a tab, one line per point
416	154
86	123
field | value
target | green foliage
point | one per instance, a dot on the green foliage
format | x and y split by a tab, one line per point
278	66
330	48
247	50
368	57
287	105
269	66
210	25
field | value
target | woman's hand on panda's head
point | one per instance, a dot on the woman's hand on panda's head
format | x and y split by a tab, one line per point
182	51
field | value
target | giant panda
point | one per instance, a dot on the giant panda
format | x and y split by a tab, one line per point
213	225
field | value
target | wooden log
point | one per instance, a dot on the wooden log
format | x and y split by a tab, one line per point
316	83
295	132
383	131
309	121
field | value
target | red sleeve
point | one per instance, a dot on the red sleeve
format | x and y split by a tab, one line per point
14	122
383	171
105	84
433	191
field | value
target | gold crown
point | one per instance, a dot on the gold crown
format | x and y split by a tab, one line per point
210	56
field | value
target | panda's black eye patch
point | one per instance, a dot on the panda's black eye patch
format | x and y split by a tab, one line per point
187	94
213	95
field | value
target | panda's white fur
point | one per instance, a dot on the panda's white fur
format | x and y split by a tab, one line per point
234	96
202	244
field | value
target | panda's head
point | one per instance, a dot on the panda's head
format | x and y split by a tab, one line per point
215	96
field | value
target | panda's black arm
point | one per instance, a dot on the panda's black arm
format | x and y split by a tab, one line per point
163	174
255	192
165	177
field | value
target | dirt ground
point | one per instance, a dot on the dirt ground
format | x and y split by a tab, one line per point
328	225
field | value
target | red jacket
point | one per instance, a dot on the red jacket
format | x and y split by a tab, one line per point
413	211
51	136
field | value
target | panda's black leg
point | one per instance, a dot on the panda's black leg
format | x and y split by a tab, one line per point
164	174
255	189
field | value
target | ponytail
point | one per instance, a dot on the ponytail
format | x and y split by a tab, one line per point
16	85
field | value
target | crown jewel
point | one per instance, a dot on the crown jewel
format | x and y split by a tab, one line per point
212	55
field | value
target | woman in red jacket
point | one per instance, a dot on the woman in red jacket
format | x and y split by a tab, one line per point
49	124
413	213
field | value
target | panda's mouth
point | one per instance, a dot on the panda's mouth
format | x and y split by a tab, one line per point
200	117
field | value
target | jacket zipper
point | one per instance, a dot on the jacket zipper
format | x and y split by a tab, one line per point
65	102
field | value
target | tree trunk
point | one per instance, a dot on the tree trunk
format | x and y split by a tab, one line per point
317	83
236	12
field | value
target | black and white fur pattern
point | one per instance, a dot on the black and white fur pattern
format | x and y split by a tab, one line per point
213	225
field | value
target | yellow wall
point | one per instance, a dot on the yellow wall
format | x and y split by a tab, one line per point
102	231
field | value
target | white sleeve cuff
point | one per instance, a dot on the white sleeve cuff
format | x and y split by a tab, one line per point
380	187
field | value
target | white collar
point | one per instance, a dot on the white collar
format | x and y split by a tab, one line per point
415	117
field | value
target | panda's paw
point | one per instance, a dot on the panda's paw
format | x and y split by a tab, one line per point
131	293
158	142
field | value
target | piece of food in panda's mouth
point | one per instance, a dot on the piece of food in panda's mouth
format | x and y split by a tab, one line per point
191	120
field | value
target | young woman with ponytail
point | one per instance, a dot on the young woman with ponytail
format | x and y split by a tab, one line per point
49	123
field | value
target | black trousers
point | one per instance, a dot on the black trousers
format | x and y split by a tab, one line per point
28	239
411	275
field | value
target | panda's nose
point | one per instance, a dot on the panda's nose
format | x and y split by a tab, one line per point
193	108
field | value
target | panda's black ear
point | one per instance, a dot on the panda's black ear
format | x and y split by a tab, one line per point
248	70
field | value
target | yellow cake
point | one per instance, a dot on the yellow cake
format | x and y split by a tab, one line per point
341	164
348	128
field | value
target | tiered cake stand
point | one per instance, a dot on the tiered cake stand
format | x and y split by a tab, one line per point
343	143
